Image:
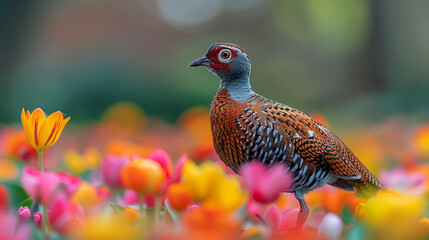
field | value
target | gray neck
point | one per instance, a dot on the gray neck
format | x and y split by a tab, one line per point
239	88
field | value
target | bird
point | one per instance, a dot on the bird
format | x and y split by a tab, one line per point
247	127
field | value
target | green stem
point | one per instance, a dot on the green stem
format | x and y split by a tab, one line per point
144	213
40	155
45	222
157	211
173	214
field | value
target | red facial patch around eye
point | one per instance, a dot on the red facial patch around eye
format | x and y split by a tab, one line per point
218	65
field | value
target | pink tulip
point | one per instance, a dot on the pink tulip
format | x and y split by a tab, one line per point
70	183
30	179
110	168
24	214
43	187
131	197
65	216
403	181
37	185
38	219
177	173
11	230
161	157
275	218
46	187
265	184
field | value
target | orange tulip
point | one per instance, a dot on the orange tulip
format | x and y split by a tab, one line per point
144	176
131	215
179	196
205	223
42	132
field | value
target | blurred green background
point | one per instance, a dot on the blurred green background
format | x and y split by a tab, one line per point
354	61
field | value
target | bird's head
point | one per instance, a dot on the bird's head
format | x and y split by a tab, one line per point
226	60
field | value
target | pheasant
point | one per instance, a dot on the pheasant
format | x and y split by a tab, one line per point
247	126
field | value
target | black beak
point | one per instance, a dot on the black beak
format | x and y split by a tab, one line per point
202	61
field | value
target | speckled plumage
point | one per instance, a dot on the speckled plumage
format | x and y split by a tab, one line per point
247	126
275	133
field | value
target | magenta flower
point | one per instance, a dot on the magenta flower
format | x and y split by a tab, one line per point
70	183
280	220
11	230
131	197
178	169
265	184
161	157
65	216
43	186
272	216
39	186
38	219
24	214
110	168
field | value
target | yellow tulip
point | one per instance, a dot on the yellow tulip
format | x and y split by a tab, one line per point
210	185
86	195
393	216
226	194
201	179
42	132
78	163
108	228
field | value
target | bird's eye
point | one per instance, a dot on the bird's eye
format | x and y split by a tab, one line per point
224	55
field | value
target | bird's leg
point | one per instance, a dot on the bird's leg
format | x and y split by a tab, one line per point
303	212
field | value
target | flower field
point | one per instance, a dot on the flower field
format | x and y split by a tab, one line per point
130	176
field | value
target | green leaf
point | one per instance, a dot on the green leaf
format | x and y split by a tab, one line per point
118	209
16	193
356	233
347	216
26	203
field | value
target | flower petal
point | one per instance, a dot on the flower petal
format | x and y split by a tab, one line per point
49	129
60	130
273	216
30	178
161	157
37	117
29	133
